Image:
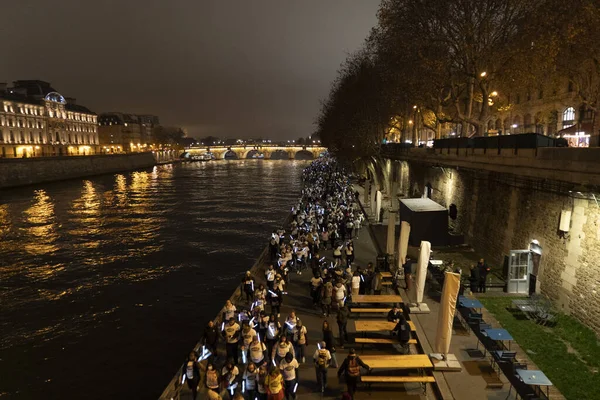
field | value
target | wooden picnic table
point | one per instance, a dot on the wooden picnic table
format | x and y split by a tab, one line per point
386	275
377	325
374	298
411	361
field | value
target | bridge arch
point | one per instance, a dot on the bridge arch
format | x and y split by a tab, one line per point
279	154
230	155
304	155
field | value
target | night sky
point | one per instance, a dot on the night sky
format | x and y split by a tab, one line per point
244	68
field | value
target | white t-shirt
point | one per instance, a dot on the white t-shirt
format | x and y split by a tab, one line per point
250	378
257	351
231	332
355	282
229	312
288	370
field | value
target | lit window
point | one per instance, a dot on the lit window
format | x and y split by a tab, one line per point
568	117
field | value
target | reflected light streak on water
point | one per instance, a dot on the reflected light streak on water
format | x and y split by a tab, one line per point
116	274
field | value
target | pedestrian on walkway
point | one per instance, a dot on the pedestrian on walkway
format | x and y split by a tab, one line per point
275	299
289	369
229	374
322	359
326	298
210	338
248	334
261	383
351	370
356	280
212	377
270	276
249	381
248	287
342	320
191	373
299	340
228	311
274	385
329	342
231	333
340	293
315	288
257	352
273	330
337	255
281	349
349	253
483	273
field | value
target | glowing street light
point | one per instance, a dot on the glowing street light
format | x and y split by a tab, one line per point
494	94
414	107
410	121
483	74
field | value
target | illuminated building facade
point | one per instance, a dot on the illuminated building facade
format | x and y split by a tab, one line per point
119	132
36	120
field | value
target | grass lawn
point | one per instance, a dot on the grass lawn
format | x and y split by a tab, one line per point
568	353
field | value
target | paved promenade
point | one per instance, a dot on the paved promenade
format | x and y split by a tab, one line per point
477	380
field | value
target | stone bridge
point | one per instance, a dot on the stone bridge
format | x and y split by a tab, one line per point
269	151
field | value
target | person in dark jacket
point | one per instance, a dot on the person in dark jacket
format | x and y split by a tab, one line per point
248	286
402	329
483	272
351	368
329	342
210	338
394	314
342	321
191	373
407	267
474	278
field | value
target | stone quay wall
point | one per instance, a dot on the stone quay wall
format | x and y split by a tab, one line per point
498	212
27	171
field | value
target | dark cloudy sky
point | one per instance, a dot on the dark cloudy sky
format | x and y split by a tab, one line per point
232	68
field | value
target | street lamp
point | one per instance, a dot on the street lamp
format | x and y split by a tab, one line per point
494	94
483	74
414	107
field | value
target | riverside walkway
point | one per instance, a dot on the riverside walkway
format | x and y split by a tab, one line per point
475	381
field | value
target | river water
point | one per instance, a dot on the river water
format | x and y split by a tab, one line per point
106	283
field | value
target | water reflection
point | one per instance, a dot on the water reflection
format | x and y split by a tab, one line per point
86	215
40	230
5	225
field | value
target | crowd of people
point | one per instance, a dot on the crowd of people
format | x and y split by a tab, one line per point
263	351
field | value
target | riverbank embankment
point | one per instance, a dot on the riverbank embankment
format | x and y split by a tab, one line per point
29	171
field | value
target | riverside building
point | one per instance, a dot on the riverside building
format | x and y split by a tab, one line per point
120	132
36	121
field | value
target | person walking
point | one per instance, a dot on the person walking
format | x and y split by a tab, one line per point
322	359
356	280
248	287
329	342
191	374
342	320
229	374
281	349
257	352
261	387
275	299
270	276
351	370
273	330
274	385
315	287
326	298
231	332
299	340
249	382
212	377
210	338
289	369
483	273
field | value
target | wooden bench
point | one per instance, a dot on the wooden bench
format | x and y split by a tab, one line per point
372	310
363	341
381	341
423	380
